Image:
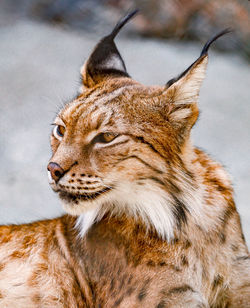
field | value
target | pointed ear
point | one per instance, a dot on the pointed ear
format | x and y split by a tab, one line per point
182	92
105	60
185	89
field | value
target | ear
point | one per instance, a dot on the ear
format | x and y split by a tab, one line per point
182	92
105	60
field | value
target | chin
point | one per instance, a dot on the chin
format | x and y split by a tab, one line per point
77	204
77	209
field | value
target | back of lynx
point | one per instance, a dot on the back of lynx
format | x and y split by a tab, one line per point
151	220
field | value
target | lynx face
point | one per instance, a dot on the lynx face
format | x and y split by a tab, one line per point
106	146
123	147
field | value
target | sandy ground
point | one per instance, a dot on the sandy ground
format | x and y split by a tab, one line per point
39	70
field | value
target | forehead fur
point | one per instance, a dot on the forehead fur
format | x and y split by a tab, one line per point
122	99
124	106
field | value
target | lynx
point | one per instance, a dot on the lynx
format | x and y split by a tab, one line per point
151	220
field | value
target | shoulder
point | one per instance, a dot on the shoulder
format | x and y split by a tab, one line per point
213	172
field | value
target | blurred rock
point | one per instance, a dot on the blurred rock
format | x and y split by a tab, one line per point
197	19
175	19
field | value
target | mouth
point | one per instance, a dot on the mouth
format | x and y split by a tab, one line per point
76	197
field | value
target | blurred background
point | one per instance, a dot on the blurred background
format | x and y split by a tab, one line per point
43	43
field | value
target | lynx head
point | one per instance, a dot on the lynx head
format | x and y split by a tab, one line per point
123	148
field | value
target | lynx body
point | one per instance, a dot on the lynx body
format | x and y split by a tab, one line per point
151	219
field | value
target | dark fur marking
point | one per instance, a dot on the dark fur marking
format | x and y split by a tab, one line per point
152	178
124	277
234	247
175	240
112	284
218	280
189	174
142	161
142	293
187	244
227	215
218	185
136	261
130	279
155	179
2	266
151	263
161	304
184	260
175	268
180	289
242	258
173	187
222	237
142	140
129	291
92	289
243	237
144	290
118	301
179	211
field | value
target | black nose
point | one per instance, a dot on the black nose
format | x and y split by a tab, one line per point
56	171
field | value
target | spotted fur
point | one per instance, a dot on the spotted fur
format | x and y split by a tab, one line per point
151	219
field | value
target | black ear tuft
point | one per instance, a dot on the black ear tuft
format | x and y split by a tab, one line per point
173	80
203	53
105	59
214	38
122	22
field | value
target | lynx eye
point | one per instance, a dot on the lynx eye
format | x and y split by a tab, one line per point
59	131
105	137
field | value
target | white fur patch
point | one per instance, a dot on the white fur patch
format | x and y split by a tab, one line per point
147	202
181	114
81	89
50	178
188	87
86	220
113	62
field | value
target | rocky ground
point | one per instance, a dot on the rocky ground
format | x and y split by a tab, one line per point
39	70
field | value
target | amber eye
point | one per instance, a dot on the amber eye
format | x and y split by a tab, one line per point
105	137
59	131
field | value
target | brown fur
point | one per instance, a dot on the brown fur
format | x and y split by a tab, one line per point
197	257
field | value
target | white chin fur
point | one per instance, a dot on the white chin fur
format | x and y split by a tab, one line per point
151	204
78	209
